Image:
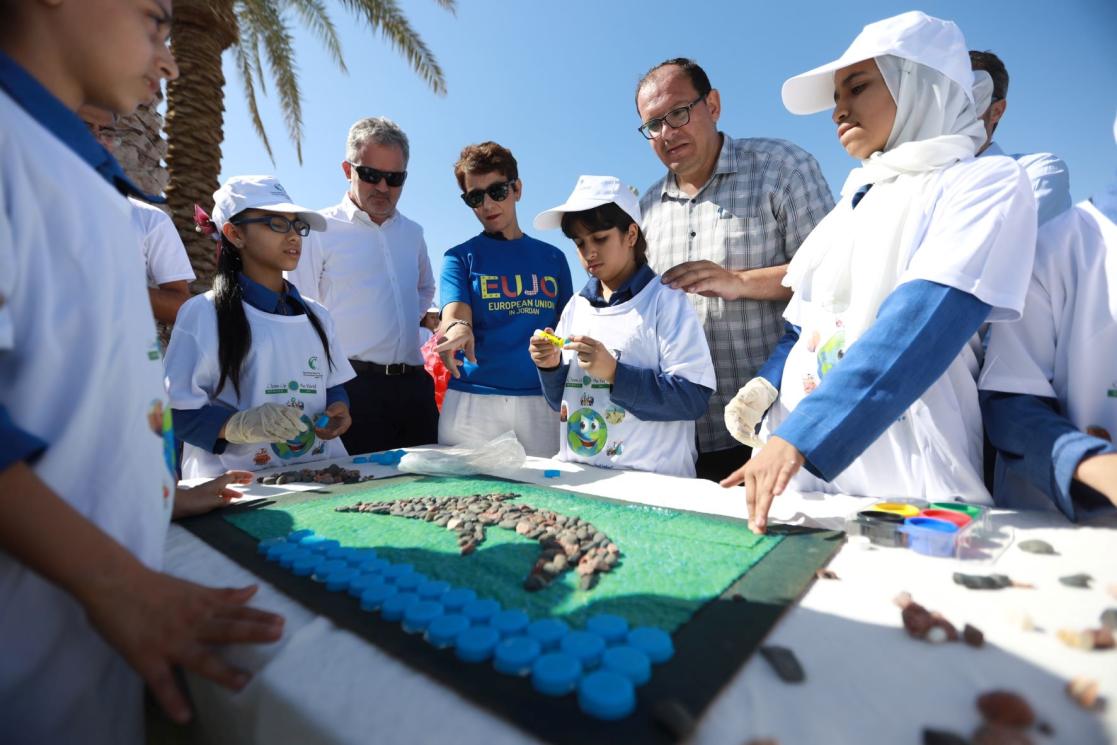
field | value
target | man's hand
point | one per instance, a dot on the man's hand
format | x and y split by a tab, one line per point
544	353
765	477
704	278
1099	472
208	496
157	622
593	357
339	424
458	336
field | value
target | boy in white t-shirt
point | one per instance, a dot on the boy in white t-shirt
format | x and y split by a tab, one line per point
86	476
635	371
1049	385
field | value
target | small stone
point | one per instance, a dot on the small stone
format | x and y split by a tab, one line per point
507	524
281	478
672	715
587	582
453	523
942	737
982	581
917	620
998	734
1037	547
268	480
467	548
785	663
523	527
972	635
1109	619
903	600
1006	708
1084	692
825	574
1077	580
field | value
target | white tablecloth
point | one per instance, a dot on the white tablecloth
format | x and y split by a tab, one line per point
867	681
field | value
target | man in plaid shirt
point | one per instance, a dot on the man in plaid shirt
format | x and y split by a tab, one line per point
722	225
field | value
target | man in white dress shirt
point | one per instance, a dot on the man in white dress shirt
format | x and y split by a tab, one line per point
371	270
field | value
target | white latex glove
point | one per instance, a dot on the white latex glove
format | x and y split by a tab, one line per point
747	408
265	423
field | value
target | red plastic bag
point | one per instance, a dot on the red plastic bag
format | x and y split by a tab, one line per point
433	365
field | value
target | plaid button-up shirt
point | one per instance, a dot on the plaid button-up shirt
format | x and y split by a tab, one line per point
763	199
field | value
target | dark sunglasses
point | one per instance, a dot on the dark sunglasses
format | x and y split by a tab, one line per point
370	175
278	224
496	192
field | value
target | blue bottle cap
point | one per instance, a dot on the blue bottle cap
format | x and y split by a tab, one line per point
374	596
361	459
418	616
445	630
263	546
555	674
458	598
339	579
362	582
395	571
552	473
287	558
322	422
298	536
323	545
410	582
338	552
613	629
515	655
548	632
606	695
476	644
510	622
479	612
395	606
276	551
585	645
433	589
303	566
373	566
629	662
325	567
655	643
358	555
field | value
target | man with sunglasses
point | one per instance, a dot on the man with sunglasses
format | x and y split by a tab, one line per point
722	225
372	272
496	289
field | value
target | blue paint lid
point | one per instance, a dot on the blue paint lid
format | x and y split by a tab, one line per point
606	695
510	622
480	611
373	566
433	589
326	566
585	645
298	536
287	558
263	546
362	582
410	582
555	673
303	566
515	655
476	644
611	628
629	662
339	579
445	630
276	551
419	615
458	598
395	606
548	632
392	572
655	643
374	597
552	473
323	545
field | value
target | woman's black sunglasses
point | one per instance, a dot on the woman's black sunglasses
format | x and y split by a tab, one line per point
496	192
371	175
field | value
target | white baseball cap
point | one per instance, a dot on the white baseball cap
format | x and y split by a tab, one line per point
590	192
258	192
914	35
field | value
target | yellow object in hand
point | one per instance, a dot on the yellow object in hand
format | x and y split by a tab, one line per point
557	341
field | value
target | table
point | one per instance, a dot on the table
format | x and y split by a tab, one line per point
867	681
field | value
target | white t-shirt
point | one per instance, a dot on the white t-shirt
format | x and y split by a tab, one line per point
658	330
1063	346
977	235
164	255
80	369
285	364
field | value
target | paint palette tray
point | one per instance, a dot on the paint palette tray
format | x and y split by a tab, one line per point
944	529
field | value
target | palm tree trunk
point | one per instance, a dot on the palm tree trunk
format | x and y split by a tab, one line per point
139	146
202	30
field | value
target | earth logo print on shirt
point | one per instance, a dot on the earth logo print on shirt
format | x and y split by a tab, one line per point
586	432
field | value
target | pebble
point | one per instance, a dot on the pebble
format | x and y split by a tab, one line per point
982	581
1006	708
784	662
825	574
1088	638
1084	692
1077	580
972	635
1035	546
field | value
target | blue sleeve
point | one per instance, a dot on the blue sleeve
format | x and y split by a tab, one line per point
18	444
920	328
454	285
772	369
656	396
336	393
1039	444
200	427
554	381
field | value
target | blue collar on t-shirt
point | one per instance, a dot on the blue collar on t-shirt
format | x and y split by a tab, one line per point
45	108
287	303
631	287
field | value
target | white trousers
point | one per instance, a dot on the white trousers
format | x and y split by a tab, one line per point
473	419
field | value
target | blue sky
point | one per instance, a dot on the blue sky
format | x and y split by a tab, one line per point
554	82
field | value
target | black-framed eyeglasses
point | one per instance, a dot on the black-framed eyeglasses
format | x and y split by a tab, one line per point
674	119
278	224
497	193
371	175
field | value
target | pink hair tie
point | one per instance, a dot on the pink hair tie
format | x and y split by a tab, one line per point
203	224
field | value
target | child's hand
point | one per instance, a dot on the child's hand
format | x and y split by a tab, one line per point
157	622
340	421
459	336
593	357
543	353
208	496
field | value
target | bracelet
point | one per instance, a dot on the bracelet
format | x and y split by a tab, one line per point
467	324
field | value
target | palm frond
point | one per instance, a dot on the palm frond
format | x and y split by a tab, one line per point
448	5
263	19
316	17
386	17
245	66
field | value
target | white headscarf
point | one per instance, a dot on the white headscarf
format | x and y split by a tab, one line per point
852	260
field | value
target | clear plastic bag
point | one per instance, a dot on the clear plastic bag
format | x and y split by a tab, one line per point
504	456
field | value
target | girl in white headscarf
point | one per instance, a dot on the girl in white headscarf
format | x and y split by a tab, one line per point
873	391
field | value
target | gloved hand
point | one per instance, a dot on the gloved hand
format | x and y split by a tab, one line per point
747	408
265	423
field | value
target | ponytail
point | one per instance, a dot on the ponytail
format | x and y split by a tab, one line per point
234	335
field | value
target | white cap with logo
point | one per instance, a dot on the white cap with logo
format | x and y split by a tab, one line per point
914	35
590	192
240	193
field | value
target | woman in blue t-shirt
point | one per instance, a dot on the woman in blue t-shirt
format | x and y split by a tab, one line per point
496	289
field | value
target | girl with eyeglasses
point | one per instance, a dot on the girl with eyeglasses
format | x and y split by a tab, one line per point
496	289
254	370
